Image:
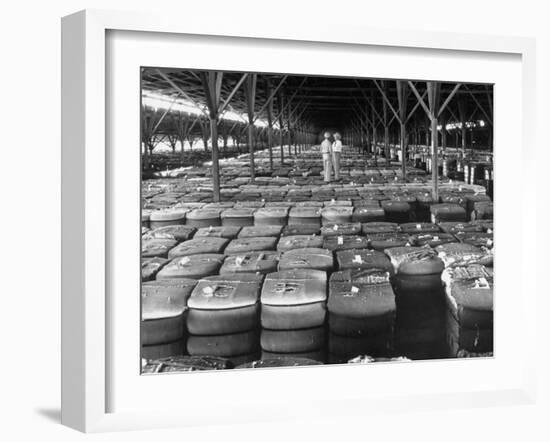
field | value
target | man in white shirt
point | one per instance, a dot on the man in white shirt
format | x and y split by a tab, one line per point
336	153
326	151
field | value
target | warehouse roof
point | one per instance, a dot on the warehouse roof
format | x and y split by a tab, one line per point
312	101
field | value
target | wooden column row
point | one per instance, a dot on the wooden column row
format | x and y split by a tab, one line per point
370	119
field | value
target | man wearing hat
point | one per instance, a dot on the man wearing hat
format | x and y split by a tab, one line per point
326	151
336	153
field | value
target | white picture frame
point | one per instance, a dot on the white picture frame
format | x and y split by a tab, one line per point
87	215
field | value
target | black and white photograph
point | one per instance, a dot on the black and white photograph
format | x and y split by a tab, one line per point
293	220
275	221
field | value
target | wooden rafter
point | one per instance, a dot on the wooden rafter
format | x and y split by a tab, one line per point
386	100
182	92
232	93
449	98
478	104
419	98
271	96
164	115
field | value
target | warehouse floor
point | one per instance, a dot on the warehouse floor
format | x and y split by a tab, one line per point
313	242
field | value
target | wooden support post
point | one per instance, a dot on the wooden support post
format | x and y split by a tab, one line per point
435	162
416	138
281	127
250	95
386	127
295	139
212	84
368	121
205	133
444	146
402	98
403	142
269	123
282	142
146	155
215	158
374	141
289	135
183	128
237	140
270	142
489	92
223	131
433	101
444	135
251	151
172	141
427	133
374	124
462	115
433	110
145	139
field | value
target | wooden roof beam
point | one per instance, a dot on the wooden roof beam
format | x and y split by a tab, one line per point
489	119
271	96
386	100
232	93
182	92
449	98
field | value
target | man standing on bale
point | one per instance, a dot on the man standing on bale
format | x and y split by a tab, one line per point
326	151
336	153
